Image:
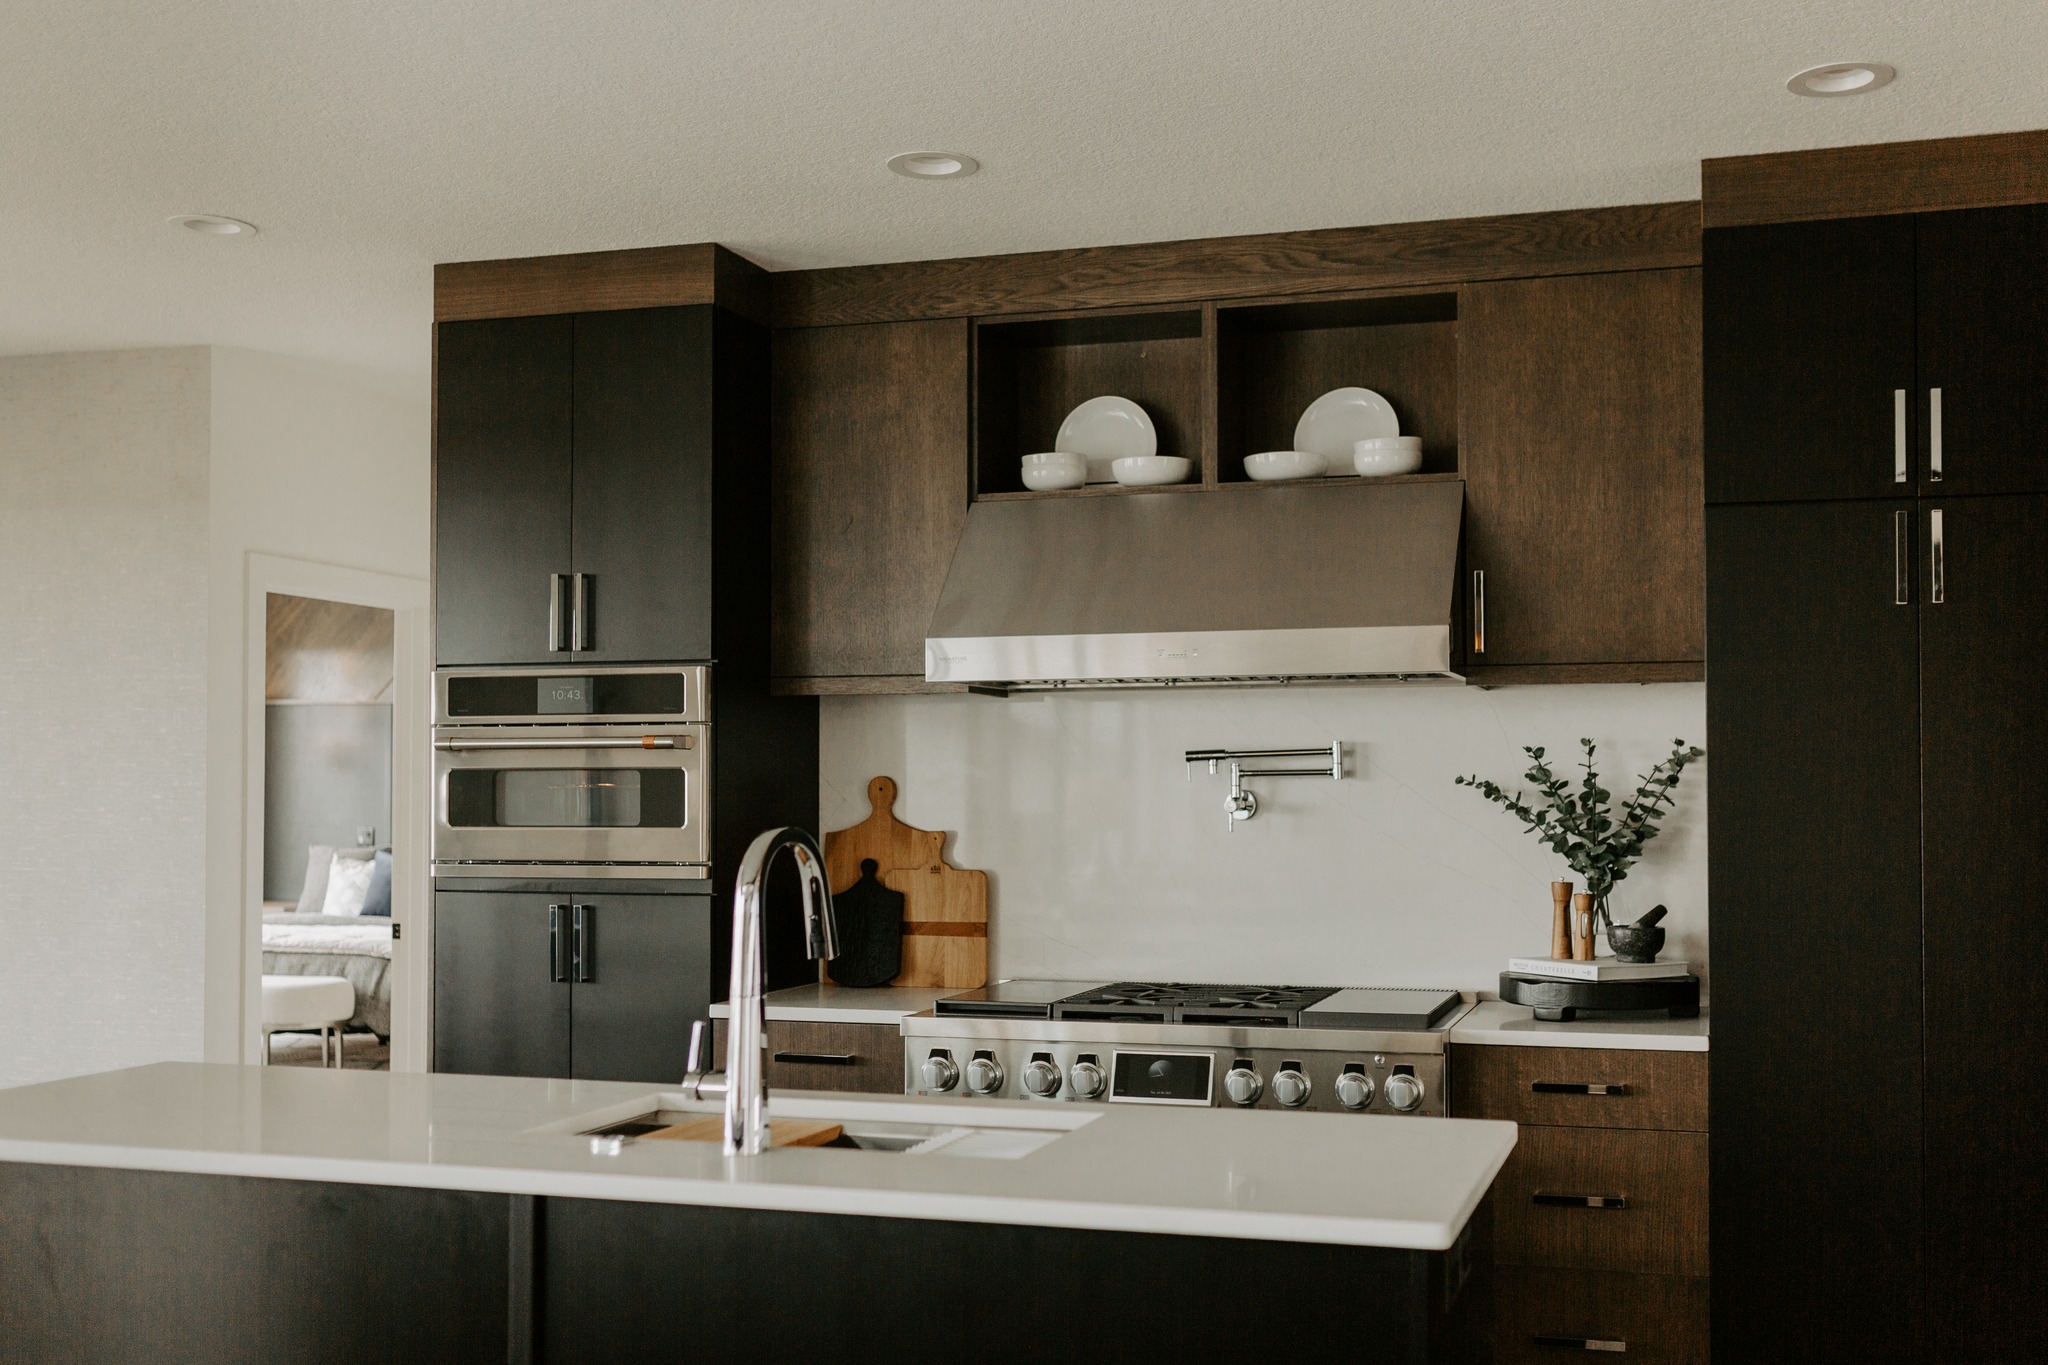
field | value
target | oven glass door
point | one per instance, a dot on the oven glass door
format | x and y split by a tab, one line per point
571	794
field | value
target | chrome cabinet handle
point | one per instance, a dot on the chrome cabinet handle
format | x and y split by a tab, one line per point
1479	611
579	611
555	644
1578	1088
1580	1201
1898	435
584	952
1578	1343
1902	574
1936	581
558	969
1934	435
463	746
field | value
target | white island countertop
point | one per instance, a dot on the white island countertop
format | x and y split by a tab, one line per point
1500	1024
821	1002
1359	1180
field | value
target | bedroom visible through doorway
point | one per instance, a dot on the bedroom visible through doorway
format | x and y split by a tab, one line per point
327	833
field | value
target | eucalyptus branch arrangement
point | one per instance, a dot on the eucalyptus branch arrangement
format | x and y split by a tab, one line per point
1581	826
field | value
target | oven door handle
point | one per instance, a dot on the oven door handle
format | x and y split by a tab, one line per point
458	746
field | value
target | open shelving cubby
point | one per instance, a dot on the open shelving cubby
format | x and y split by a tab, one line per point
1274	359
1029	373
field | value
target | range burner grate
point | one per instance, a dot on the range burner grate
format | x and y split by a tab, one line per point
1173	1002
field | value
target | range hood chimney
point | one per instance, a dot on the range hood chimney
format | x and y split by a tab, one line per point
1230	587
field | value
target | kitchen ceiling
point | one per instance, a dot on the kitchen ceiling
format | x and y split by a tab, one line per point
372	138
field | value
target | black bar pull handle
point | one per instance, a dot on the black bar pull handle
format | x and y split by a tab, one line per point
584	954
1580	1201
558	967
818	1058
1579	1088
1579	1343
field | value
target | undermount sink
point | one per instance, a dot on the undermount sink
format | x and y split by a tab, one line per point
865	1125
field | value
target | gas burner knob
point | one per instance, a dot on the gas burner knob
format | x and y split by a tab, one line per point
1087	1079
1243	1084
1404	1092
1042	1078
984	1075
1354	1090
1291	1088
938	1074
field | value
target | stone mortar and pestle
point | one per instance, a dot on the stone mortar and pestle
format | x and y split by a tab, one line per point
1638	942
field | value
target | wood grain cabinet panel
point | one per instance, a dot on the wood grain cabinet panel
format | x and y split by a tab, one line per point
817	1055
870	457
1651	1188
1545	1315
1581	1087
1580	441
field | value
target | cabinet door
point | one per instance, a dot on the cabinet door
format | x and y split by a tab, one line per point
498	1008
643	483
643	973
501	487
1984	346
1580	436
1984	731
1809	360
1813	797
870	438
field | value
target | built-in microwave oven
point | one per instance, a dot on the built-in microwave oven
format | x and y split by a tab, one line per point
585	771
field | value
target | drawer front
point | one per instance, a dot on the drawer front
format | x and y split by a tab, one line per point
1604	1199
1553	1316
817	1056
1572	1087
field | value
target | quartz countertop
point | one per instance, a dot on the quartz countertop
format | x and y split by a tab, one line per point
1498	1023
822	1002
1350	1179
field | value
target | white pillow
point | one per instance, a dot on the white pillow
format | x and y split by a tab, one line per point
348	881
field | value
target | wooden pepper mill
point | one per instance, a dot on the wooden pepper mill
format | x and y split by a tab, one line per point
1561	922
1582	927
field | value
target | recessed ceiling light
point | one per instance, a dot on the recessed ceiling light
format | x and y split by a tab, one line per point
934	165
213	225
1841	78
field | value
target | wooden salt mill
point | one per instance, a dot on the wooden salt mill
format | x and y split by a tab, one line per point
1561	922
1582	927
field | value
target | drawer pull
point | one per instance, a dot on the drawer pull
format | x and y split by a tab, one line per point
1580	1201
818	1058
1577	1088
1579	1343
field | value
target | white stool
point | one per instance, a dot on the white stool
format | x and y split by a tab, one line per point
307	1002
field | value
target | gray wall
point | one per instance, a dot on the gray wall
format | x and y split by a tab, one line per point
326	774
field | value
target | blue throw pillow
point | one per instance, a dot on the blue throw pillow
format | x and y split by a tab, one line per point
377	900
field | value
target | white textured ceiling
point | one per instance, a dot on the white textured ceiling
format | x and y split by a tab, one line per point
372	138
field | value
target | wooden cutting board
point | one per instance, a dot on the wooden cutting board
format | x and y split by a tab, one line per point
781	1132
945	908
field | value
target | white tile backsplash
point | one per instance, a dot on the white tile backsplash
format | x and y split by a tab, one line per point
1109	857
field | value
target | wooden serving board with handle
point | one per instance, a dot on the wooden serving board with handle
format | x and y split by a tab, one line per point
945	908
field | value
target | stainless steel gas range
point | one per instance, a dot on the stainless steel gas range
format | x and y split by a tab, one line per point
1309	1048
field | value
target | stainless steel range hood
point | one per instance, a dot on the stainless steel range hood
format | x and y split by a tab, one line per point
1344	583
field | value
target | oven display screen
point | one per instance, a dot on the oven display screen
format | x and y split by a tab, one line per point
563	696
1161	1077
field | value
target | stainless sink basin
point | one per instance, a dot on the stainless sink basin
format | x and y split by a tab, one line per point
879	1125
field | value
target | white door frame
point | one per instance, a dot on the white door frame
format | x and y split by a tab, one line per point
412	955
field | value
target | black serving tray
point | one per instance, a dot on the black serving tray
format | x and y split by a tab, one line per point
1560	1001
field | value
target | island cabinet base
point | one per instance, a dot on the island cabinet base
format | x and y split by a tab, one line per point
112	1266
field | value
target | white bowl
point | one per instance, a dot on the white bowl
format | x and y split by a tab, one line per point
1137	471
1047	478
1058	457
1269	465
1376	462
1387	443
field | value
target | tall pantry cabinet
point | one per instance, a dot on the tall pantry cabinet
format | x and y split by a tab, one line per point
1877	594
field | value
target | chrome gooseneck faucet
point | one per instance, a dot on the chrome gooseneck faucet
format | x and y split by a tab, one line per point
746	1093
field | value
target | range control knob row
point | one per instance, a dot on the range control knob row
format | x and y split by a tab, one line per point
1354	1090
1243	1084
984	1075
938	1074
1404	1092
1087	1079
1042	1078
1290	1087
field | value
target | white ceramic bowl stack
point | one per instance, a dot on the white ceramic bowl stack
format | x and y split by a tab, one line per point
1378	456
1055	469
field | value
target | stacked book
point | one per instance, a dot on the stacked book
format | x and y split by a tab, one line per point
1599	969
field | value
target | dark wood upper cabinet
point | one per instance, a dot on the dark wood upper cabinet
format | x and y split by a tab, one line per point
501	486
641	483
1983	334
1809	360
871	467
1580	440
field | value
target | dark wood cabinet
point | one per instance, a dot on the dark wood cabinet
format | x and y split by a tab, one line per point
501	486
597	986
1580	443
1809	360
1983	330
805	1054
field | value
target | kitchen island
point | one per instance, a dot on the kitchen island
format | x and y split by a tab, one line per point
201	1212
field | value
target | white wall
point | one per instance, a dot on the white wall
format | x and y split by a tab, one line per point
1109	858
103	567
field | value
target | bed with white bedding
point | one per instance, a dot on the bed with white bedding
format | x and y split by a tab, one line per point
355	947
